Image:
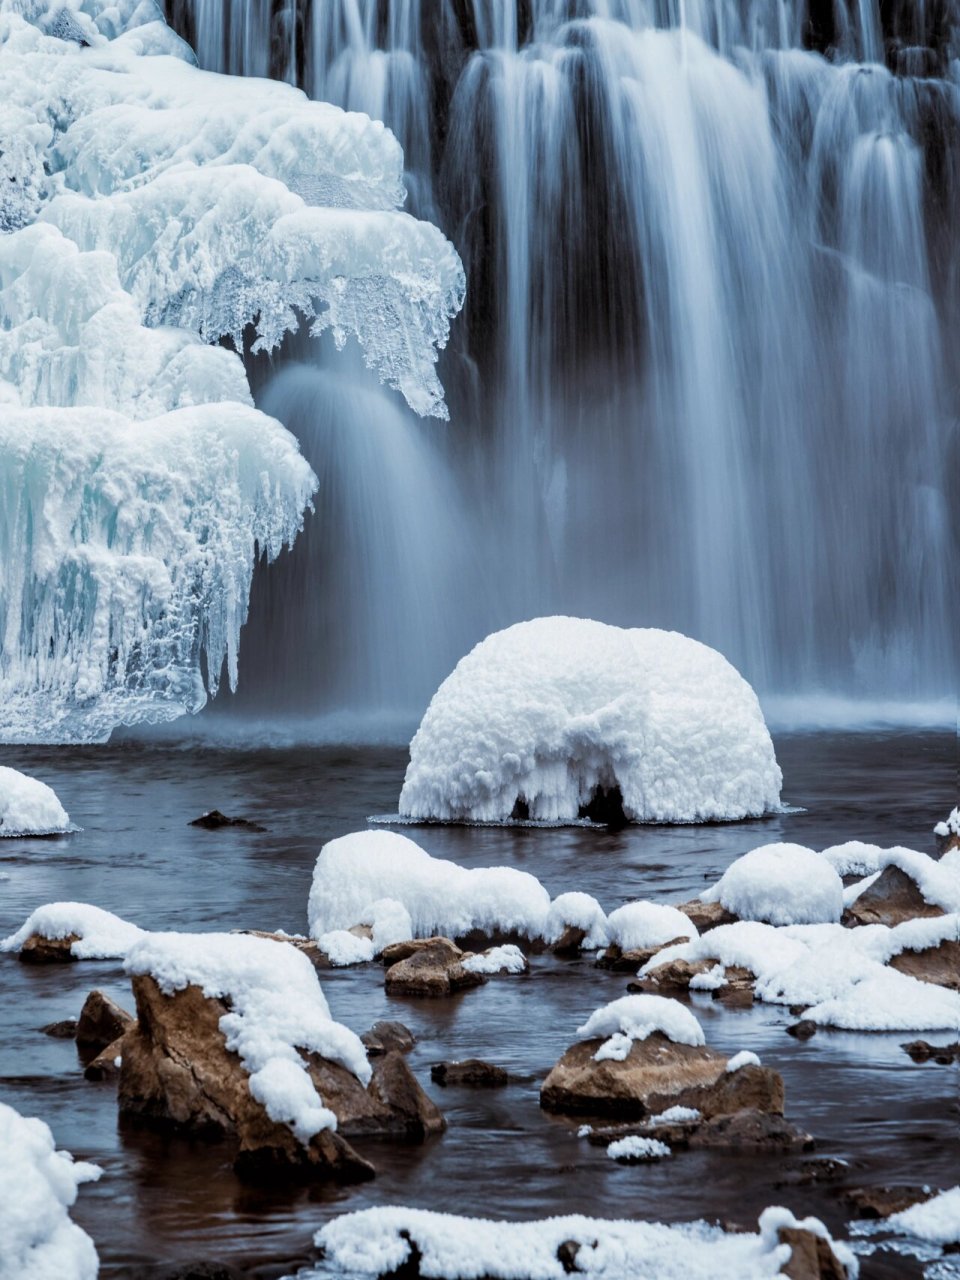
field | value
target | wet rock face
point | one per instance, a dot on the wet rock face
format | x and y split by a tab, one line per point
811	1257
881	1202
106	1065
706	915
923	1051
176	1071
631	960
747	1130
472	1072
434	969
39	950
102	1021
671	977
940	964
392	1105
385	1036
656	1075
892	898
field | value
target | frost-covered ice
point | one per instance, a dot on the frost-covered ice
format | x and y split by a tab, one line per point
538	717
100	934
936	1221
28	807
506	959
780	884
151	208
638	925
38	1186
635	1018
377	1241
354	871
634	1147
276	1008
745	1058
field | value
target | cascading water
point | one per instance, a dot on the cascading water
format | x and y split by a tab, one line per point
704	378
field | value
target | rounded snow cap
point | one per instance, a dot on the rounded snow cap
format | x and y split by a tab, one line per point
564	718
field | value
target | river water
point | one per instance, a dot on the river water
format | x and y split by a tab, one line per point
168	1200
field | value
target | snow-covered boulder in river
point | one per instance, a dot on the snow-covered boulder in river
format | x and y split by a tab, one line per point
541	720
28	807
149	209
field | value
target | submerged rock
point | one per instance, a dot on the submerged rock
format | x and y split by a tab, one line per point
922	1051
385	1036
102	1022
176	1071
65	1030
213	820
893	898
433	969
471	1071
657	1074
881	1202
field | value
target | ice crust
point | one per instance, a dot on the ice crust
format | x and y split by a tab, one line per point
100	934
378	1241
150	209
38	1186
780	884
276	1008
28	807
440	897
548	711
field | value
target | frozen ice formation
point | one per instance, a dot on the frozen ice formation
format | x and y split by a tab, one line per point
540	719
378	1241
28	807
276	1009
355	871
780	884
38	1186
148	209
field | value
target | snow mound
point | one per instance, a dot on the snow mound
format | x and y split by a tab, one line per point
677	1115
936	1221
150	209
854	858
508	959
389	921
38	1185
379	1241
100	934
780	884
635	1018
540	718
951	827
440	897
638	925
28	807
579	911
633	1147
276	1009
745	1058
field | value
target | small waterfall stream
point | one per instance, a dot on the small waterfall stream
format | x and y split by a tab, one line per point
706	375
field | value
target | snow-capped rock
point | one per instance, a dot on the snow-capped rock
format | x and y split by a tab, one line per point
538	719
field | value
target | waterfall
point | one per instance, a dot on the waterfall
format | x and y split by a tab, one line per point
704	377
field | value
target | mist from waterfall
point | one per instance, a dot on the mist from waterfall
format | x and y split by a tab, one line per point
705	378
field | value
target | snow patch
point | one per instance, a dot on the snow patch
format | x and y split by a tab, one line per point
38	1186
28	807
745	1058
635	1018
936	1221
951	827
507	959
100	934
633	1147
539	717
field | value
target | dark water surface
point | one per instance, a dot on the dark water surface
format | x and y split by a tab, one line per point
165	1199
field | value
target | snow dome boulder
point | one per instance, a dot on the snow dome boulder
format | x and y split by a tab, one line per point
561	718
28	807
780	884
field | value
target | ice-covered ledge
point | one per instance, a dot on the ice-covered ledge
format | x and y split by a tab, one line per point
147	209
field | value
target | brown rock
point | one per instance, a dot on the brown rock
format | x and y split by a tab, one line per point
392	1105
39	950
881	1202
940	964
384	1036
106	1065
673	975
431	971
737	991
102	1021
631	960
921	1051
811	1257
471	1071
176	1071
398	951
803	1029
655	1075
311	949
706	915
214	820
892	898
569	942
751	1130
65	1030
